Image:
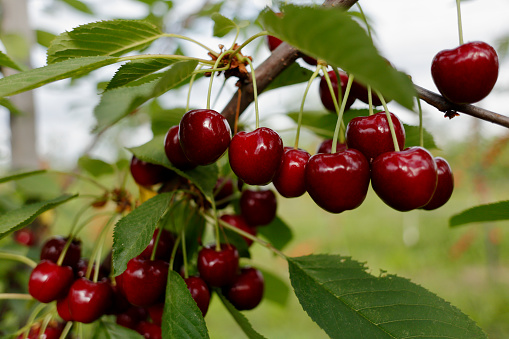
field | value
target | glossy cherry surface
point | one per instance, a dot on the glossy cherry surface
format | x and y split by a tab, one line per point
338	182
289	179
326	146
49	282
53	247
239	222
371	135
174	151
200	292
89	300
164	246
445	185
218	268
144	281
149	330
246	292
204	135
255	156
258	207
325	94
466	74
404	180
147	174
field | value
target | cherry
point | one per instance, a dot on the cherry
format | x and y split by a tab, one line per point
156	313
164	246
255	156
258	207
131	317
326	146
53	247
144	281
149	330
49	282
445	185
404	180
204	135
174	151
289	179
82	267
218	268
119	304
246	292
63	308
223	190
325	94
339	181
274	42
239	222
371	135
200	293
361	92
89	300
147	174
53	331
25	237
466	74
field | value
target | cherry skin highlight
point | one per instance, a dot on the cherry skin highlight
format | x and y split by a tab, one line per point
49	282
89	300
53	247
144	281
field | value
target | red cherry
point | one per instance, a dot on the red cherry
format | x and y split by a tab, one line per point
361	92
53	331
147	174
273	42
258	207
204	135
325	94
119	304
445	185
49	282
289	179
156	313
326	146
223	190
200	293
255	156
82	267
25	237
164	246
89	300
246	292
404	180
144	281
372	136
218	268
239	222
174	151
131	317
338	182
53	247
63	309
466	74
149	330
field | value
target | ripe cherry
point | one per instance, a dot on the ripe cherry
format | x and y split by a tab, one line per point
274	42
25	237
466	74
218	268
149	330
445	185
63	308
53	331
49	282
164	246
239	222
289	179
325	94
339	181
89	300
147	174
371	135
53	247
204	135
174	151
326	146
132	317
222	191
404	180
258	207
361	92
156	313
200	293
255	156
246	292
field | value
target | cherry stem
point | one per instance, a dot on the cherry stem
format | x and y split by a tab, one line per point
174	252
255	92
15	296
340	115
301	112
245	43
61	257
81	177
365	21
183	37
460	26
370	101
44	324
421	128
335	101
184	253
156	243
190	87
212	75
216	226
31	319
237	112
66	330
96	252
389	121
18	257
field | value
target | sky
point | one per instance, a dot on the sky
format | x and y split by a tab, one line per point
408	33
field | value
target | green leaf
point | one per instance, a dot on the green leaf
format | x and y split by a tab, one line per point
181	318
109	330
222	25
10	106
203	177
241	320
133	232
348	302
96	167
112	38
119	102
79	5
44	38
16	219
412	137
483	213
306	28
276	289
277	233
295	74
22	175
137	69
37	77
163	119
8	62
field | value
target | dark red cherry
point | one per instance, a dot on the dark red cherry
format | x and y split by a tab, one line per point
81	270
361	92
63	308
222	191
25	237
156	313
53	331
53	247
239	222
147	174
273	42
404	180
289	179
326	146
218	268
445	185
338	182
326	96
246	292
200	293
466	74
49	282
144	281
164	246
119	304
255	156
371	135
132	317
258	207
149	330
204	135
89	300
174	151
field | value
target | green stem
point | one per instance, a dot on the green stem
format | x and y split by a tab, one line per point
156	243
245	43
190	87
389	121
183	37
174	252
221	56
216	226
301	112
18	257
85	223
44	324
184	253
421	128
31	319
365	21
370	101
81	177
61	257
340	114
255	91
97	249
460	26
337	103
15	296
66	330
